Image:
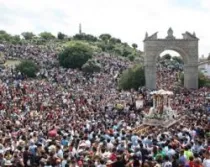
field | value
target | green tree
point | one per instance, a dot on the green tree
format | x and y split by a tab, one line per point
75	56
46	35
3	32
61	36
105	37
167	57
125	44
126	52
118	50
4	36
85	37
28	68
178	59
27	35
132	78
91	66
135	46
115	40
16	39
131	57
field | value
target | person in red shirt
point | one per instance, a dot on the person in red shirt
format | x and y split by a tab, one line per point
191	162
197	163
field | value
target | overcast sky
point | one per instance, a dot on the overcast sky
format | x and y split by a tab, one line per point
125	19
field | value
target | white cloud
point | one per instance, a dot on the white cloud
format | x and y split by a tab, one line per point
128	20
205	4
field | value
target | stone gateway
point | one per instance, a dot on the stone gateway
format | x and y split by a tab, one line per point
186	47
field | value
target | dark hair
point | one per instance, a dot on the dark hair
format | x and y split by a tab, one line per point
166	158
191	158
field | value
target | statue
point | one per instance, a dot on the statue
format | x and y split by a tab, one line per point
170	34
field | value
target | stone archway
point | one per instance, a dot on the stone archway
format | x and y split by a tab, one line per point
186	47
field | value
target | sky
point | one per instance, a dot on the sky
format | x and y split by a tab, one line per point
124	19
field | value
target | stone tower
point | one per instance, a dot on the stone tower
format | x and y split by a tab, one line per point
80	28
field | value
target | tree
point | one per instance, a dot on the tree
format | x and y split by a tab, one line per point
46	35
131	57
132	78
126	52
203	81
178	59
4	36
28	68
115	40
3	32
75	56
85	37
15	39
167	56
39	41
135	46
118	50
27	35
105	37
61	36
91	66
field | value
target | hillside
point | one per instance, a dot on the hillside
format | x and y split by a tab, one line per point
105	43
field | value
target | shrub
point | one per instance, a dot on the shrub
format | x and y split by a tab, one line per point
28	68
46	35
131	57
91	66
75	56
132	78
61	36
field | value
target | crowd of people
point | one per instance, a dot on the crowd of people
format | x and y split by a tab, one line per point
66	118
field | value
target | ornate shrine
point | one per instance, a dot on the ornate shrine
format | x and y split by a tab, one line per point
161	113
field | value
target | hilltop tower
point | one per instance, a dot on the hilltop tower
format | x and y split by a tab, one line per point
80	28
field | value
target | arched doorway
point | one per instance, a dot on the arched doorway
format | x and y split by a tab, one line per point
169	66
186	47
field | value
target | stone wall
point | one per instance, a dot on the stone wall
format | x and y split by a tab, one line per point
187	48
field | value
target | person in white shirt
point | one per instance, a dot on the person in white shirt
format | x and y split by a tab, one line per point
59	152
206	161
167	162
110	146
